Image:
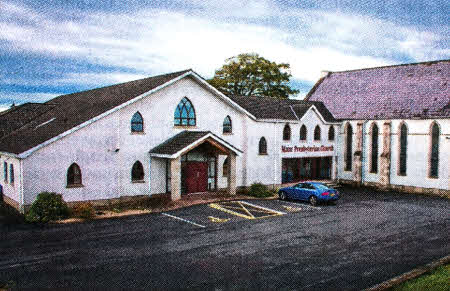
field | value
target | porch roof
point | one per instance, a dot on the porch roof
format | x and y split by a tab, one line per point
188	140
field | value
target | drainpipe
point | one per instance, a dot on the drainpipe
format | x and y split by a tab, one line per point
21	197
275	153
150	176
363	152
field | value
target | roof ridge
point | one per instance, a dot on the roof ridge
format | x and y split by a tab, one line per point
272	98
391	66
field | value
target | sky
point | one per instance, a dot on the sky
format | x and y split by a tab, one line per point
47	50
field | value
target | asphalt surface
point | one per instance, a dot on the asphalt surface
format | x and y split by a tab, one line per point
367	238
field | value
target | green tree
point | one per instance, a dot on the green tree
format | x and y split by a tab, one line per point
252	75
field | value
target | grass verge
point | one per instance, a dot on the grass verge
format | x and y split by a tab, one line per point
438	280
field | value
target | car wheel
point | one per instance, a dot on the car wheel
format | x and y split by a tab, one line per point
283	195
313	200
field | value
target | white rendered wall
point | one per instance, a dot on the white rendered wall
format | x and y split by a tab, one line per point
11	190
106	149
418	151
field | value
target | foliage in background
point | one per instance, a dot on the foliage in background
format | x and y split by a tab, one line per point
47	206
259	190
252	75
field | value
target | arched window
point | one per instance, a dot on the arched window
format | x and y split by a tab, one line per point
11	173
262	146
317	133
374	149
227	127
137	123
403	143
74	175
137	172
185	113
303	132
331	133
348	147
225	168
434	155
287	132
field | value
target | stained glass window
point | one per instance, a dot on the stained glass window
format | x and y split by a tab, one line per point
185	113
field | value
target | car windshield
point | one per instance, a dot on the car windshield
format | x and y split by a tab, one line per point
321	187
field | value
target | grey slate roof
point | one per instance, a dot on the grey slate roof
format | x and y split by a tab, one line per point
274	108
19	127
420	90
182	140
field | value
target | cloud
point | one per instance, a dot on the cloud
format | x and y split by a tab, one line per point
7	98
85	79
201	37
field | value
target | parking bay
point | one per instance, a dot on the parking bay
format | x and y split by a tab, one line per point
226	212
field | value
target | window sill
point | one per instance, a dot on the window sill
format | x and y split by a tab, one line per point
75	186
401	175
286	140
185	126
227	133
137	133
138	181
433	177
263	154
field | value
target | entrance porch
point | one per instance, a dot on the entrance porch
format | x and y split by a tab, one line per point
191	162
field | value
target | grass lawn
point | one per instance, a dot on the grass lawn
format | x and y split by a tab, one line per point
438	279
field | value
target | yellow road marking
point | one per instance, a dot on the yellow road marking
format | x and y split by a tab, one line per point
225	207
218	220
218	207
291	209
245	209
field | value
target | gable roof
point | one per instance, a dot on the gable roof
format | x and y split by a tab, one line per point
420	90
284	109
30	125
175	145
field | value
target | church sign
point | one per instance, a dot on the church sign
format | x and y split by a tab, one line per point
296	149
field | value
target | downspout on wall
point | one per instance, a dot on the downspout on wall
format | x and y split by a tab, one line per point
363	151
21	196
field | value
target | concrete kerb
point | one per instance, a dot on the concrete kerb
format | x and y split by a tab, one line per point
410	275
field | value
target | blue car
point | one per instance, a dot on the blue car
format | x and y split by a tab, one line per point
309	191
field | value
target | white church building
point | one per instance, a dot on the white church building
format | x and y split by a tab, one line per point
175	134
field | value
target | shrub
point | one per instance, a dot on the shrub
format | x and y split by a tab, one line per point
259	190
47	206
83	210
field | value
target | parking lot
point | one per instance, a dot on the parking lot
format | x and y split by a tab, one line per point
367	238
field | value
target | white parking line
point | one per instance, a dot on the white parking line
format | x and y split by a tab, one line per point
182	219
302	205
263	208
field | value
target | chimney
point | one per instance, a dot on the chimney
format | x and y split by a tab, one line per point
324	74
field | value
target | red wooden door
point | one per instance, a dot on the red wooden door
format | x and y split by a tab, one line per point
196	177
